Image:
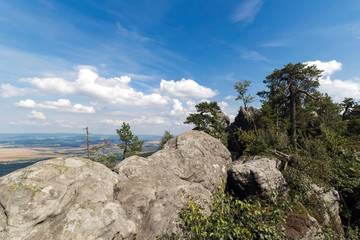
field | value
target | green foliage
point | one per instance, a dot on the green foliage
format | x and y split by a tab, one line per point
242	88
347	106
100	155
289	88
209	119
232	218
354	126
129	143
167	136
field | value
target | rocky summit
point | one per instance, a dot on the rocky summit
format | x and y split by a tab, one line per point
76	198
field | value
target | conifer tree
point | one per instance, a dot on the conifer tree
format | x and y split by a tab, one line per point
289	86
129	143
167	136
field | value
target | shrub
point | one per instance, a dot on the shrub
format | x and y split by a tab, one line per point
231	218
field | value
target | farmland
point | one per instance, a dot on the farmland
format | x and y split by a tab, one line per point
21	150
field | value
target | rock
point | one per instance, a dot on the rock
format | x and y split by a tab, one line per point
244	121
258	175
325	206
300	225
61	199
155	189
76	198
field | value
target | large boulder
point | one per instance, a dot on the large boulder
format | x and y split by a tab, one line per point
256	176
155	189
244	121
69	198
76	198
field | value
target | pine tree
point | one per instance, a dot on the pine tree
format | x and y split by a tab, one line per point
289	86
167	136
129	143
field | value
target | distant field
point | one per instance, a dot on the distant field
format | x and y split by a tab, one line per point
29	154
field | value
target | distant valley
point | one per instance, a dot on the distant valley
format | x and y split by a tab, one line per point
21	150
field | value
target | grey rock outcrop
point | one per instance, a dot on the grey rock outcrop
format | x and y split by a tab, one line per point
76	198
329	208
61	199
257	175
244	121
153	190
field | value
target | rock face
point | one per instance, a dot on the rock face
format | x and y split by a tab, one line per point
153	190
244	121
61	199
328	201
76	198
257	175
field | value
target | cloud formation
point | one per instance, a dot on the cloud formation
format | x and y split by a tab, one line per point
338	89
61	105
186	88
7	91
328	67
36	115
89	84
247	10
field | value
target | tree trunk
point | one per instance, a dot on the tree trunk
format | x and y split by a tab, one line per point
293	118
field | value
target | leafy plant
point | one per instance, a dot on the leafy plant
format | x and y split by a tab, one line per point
231	218
100	155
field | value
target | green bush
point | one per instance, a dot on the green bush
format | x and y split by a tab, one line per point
231	218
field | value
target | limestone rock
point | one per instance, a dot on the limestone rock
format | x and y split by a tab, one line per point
258	175
300	225
328	200
76	198
155	189
61	199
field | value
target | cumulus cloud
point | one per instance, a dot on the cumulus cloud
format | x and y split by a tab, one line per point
247	10
328	67
112	122
186	88
338	89
88	83
7	91
61	105
178	108
37	115
223	105
230	97
149	120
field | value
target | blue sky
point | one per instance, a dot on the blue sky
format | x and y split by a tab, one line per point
67	64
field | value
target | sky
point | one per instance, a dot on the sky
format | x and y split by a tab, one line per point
67	64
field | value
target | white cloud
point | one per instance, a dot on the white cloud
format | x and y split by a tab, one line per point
247	10
61	105
338	89
88	83
223	105
112	122
37	115
186	89
178	108
23	122
230	97
328	67
8	91
28	103
149	120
